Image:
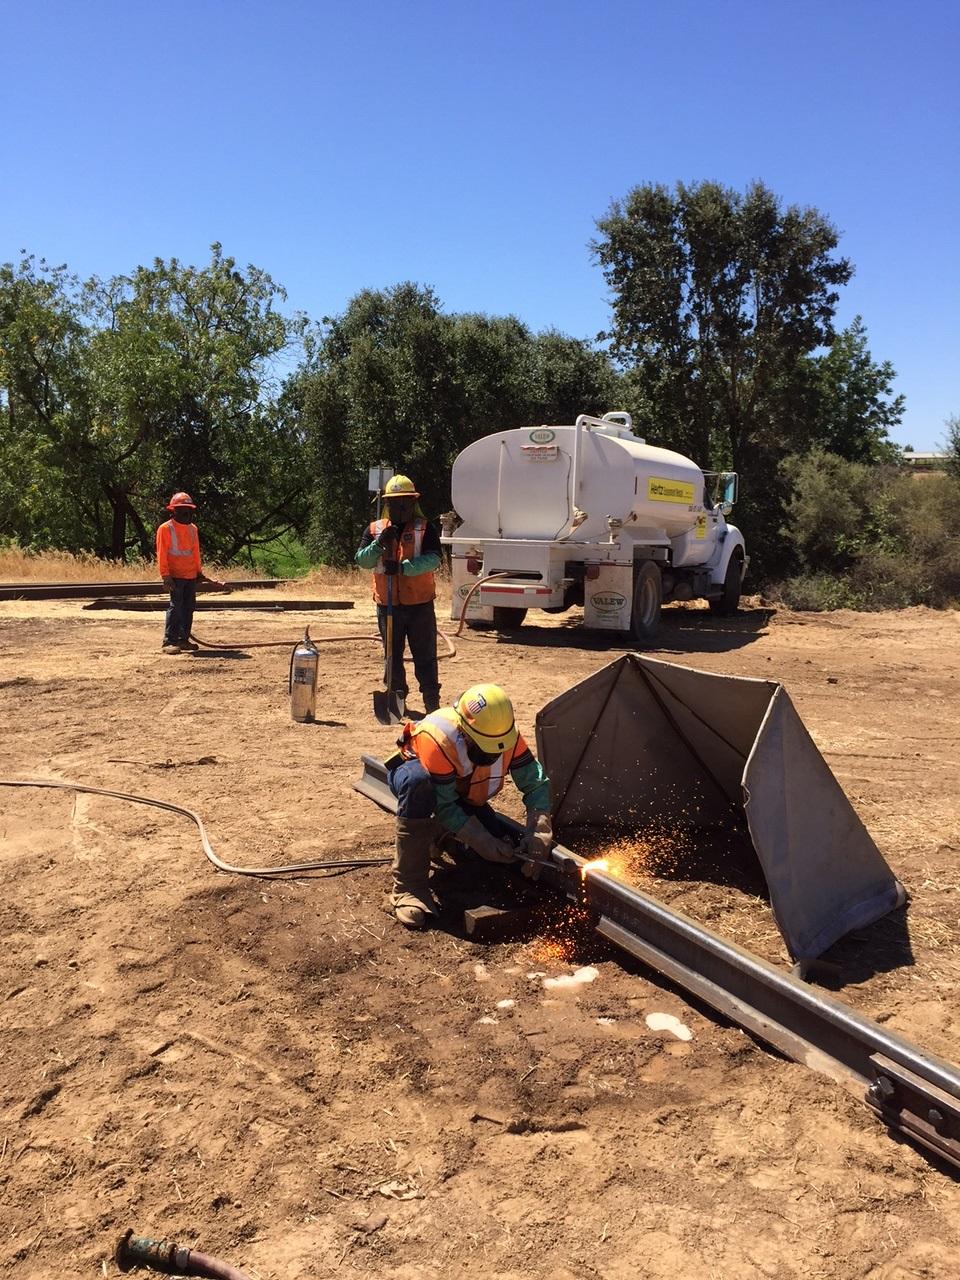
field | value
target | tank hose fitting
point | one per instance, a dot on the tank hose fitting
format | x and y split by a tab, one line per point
169	1258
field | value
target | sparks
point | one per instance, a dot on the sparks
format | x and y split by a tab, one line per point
598	864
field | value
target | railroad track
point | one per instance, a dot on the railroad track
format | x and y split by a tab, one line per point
911	1091
95	590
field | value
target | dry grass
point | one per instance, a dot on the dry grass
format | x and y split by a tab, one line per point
62	566
18	566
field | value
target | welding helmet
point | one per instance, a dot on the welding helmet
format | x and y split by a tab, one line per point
485	714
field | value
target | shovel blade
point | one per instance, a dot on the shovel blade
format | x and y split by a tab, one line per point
387	707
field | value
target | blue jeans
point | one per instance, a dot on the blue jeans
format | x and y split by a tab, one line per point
417	798
179	622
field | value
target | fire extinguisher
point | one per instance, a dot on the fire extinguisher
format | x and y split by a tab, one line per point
302	685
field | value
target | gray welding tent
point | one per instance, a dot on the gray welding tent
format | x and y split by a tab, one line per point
661	740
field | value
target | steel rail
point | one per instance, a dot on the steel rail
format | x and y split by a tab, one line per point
93	590
911	1090
267	606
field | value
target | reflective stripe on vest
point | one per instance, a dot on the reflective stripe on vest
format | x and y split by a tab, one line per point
180	545
477	784
181	531
419	526
419	589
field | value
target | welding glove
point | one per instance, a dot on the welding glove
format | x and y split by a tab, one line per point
390	567
538	841
476	837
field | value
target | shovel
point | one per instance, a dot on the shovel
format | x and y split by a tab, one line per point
386	704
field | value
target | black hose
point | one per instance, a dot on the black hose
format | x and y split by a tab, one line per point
290	869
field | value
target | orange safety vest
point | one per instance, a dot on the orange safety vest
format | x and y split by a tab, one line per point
178	550
440	745
414	590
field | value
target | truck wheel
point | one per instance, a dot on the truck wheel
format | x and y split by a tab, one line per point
647	598
727	603
507	619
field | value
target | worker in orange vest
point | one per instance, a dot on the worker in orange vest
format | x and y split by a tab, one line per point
405	548
178	559
448	768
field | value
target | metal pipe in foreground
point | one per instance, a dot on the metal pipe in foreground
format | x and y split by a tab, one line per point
911	1090
170	1258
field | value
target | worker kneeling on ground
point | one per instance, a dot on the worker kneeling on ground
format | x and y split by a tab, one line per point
448	768
403	551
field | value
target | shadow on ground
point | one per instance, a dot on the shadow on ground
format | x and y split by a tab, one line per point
681	631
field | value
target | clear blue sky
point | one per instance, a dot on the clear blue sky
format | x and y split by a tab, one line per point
472	146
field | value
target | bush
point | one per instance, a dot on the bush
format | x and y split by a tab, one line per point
870	537
815	592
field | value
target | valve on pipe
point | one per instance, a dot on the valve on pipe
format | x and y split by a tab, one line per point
170	1259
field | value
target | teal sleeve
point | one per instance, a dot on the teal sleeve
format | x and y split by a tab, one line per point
449	809
533	784
418	564
368	556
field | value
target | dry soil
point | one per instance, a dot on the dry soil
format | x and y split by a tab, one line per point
276	1073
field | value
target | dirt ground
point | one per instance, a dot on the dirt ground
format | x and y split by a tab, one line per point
277	1073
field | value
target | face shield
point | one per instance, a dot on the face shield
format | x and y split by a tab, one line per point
477	756
401	510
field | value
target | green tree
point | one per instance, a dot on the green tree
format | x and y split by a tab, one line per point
396	380
951	445
718	297
45	497
869	537
855	407
182	376
117	392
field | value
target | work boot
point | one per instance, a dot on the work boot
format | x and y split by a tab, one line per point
431	700
411	898
187	646
170	648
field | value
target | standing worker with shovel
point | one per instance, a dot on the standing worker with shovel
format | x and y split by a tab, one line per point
403	551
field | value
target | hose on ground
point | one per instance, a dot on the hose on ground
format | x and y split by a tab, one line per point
286	644
288	869
445	636
469	596
170	1258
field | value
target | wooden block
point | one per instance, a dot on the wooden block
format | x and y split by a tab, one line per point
496	924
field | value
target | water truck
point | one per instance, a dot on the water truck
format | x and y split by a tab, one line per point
591	515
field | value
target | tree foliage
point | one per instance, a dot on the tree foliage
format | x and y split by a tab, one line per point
951	445
718	297
394	379
869	536
854	404
117	392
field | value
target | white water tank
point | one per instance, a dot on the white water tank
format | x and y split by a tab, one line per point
519	484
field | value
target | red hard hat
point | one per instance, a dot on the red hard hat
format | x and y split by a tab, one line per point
181	500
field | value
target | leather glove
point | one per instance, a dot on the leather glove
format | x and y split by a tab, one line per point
391	567
168	583
387	541
539	838
538	841
476	837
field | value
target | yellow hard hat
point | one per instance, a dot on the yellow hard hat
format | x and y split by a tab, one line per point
400	487
486	715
